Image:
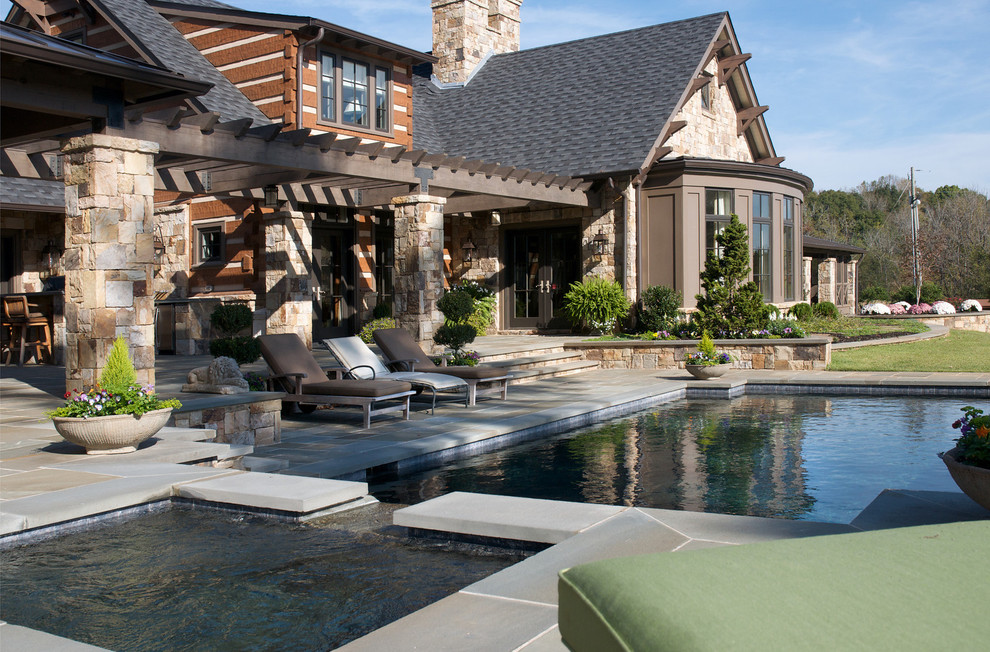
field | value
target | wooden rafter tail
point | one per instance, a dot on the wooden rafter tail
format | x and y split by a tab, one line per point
455	163
771	160
323	141
560	182
433	160
698	83
395	153
546	179
205	121
238	128
266	132
675	126
719	44
472	166
488	169
372	150
746	117
134	115
414	156
346	145
504	171
728	65
177	116
295	136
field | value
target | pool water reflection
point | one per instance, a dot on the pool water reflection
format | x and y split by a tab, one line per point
797	457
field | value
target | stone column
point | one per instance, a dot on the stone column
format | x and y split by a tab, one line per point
806	279
288	269
419	264
826	280
109	255
853	282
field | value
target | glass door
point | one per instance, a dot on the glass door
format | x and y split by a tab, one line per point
542	266
333	283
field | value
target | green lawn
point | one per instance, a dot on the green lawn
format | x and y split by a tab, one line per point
958	351
853	326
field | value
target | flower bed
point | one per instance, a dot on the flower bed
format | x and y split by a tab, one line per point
803	354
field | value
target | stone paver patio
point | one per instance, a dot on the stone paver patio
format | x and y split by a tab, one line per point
38	472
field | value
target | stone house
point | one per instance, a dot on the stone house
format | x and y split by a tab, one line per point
325	172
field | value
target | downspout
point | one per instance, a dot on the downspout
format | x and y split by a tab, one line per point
299	75
639	237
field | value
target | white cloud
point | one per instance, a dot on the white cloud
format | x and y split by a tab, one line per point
961	159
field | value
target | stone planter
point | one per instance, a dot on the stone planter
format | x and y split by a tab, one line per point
704	372
973	480
117	433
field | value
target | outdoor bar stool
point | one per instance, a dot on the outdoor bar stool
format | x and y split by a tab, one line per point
28	329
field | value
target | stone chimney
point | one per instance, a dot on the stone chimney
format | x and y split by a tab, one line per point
465	32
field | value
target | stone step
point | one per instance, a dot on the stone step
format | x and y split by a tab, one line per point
510	355
187	434
263	464
535	361
552	371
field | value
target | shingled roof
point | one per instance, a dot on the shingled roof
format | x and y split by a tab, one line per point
166	47
586	107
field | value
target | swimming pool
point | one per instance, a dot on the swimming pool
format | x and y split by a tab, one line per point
189	579
821	458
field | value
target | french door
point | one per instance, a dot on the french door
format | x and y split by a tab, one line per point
542	265
333	283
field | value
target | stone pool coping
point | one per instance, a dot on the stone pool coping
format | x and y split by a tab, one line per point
478	611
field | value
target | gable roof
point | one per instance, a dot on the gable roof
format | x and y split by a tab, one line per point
586	107
155	38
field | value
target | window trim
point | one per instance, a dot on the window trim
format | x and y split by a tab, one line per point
199	229
717	219
761	221
373	67
789	277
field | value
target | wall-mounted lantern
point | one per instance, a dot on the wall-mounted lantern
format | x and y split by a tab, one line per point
51	257
159	246
468	249
271	196
598	244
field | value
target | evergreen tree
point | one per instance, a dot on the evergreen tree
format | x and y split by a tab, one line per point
730	306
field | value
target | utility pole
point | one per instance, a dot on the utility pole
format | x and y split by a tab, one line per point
915	203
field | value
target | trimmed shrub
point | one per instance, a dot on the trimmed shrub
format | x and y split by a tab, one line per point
367	333
825	310
930	293
659	306
457	306
229	319
455	336
119	373
596	303
874	294
730	305
243	349
381	311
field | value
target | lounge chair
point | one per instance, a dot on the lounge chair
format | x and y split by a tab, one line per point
400	348
361	362
298	373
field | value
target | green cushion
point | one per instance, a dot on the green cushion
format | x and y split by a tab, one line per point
918	588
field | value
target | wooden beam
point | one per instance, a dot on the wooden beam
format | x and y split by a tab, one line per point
746	117
205	121
729	65
719	44
323	141
771	160
295	136
297	163
371	150
698	83
238	128
478	203
346	145
267	132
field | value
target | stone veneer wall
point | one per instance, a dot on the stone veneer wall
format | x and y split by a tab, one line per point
109	255
236	420
710	134
465	31
806	354
288	299
418	281
964	321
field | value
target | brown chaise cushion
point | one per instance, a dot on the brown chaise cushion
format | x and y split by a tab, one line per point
285	353
369	388
398	344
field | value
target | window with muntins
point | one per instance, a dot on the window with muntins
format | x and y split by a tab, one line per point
762	243
718	213
354	94
788	219
209	244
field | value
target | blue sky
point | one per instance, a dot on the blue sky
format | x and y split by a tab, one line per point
856	89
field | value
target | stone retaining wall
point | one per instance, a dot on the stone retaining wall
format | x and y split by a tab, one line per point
965	321
254	418
805	354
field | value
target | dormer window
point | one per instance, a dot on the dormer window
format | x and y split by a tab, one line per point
347	87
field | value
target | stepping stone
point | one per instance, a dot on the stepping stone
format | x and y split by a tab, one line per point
285	493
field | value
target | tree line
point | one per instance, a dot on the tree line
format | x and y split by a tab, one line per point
953	235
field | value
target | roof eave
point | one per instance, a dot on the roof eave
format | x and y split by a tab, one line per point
292	23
